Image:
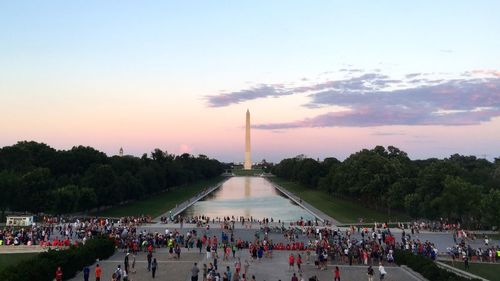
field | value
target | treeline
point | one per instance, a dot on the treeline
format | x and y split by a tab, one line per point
459	188
37	178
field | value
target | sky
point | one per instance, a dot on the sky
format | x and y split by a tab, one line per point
320	78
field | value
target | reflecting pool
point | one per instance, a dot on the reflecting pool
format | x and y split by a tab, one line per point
248	197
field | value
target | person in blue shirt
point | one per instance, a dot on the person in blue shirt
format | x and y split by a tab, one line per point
229	274
86	273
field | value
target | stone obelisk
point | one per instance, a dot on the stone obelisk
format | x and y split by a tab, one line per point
248	160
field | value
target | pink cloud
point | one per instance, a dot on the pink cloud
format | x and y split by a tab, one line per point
490	72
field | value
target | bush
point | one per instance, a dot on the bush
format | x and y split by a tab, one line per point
426	267
43	266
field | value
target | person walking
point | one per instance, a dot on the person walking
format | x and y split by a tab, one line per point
382	271
178	251
209	251
194	272
154	266
291	262
150	259
370	273
125	275
205	272
336	274
236	276
98	272
466	262
119	273
59	274
245	267
237	266
299	263
294	277
86	273
199	244
229	273
133	263
126	262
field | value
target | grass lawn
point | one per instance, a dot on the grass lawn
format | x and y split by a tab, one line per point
160	203
10	259
485	270
342	210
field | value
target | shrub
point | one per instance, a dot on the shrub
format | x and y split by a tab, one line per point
43	266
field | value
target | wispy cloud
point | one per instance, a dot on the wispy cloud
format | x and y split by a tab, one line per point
262	91
365	81
375	99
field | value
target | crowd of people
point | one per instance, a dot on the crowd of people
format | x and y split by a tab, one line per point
58	232
309	243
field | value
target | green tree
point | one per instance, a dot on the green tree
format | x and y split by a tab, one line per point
8	182
33	193
87	199
459	200
65	199
490	208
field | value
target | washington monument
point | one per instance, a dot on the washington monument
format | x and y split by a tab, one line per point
248	159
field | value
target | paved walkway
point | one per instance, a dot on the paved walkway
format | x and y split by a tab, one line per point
276	268
269	269
168	268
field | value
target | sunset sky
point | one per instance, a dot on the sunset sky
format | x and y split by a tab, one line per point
320	78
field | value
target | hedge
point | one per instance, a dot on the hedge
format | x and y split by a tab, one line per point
426	267
43	266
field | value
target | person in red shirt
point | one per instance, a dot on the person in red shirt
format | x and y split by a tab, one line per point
336	274
291	262
98	272
59	274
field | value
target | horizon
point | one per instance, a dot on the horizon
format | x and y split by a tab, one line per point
326	79
254	162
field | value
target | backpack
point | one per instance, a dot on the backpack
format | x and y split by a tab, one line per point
118	273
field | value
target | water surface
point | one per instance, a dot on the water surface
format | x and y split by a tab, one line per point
248	197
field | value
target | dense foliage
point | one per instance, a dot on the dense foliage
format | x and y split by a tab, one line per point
35	177
43	266
425	266
459	188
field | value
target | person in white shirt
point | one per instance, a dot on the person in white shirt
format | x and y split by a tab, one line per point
382	271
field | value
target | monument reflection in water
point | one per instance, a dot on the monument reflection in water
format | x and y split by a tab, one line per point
248	197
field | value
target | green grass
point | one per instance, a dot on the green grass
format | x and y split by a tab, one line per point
486	270
343	211
158	204
11	259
